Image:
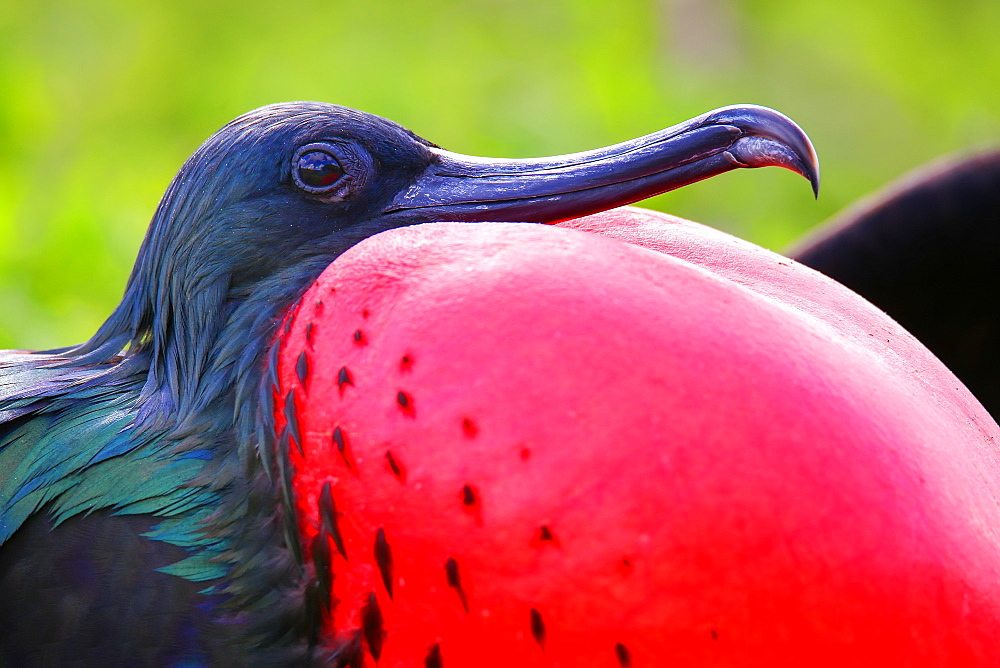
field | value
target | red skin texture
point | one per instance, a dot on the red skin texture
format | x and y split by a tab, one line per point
740	462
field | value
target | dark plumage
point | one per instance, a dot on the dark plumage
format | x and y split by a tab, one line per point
163	412
925	251
141	514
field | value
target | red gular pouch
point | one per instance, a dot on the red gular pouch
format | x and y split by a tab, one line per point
631	440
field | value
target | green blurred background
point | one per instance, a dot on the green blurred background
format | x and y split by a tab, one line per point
102	100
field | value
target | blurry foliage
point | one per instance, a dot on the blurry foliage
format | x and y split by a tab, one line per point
102	100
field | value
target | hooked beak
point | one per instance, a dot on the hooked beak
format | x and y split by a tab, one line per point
546	190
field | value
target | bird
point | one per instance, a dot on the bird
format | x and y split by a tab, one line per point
924	250
141	519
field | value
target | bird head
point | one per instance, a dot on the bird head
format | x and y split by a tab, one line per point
268	201
289	182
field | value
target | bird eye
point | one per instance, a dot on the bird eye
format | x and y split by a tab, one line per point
316	170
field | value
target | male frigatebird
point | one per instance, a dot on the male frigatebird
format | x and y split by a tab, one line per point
138	514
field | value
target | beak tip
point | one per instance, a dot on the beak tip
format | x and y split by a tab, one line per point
811	164
769	138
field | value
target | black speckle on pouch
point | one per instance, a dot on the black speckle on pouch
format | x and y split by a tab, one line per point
397	470
455	581
328	517
373	626
383	558
433	659
341	444
343	378
292	418
302	368
538	627
623	655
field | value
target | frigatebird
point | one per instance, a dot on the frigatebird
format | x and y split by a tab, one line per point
140	514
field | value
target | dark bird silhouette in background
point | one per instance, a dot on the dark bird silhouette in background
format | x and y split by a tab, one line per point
926	252
140	515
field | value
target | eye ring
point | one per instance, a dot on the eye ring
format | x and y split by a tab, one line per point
321	168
